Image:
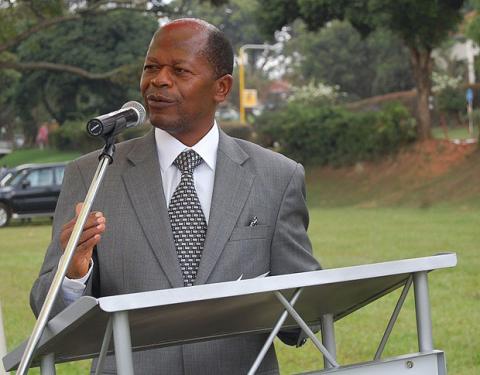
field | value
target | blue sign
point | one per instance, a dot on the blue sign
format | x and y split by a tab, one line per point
469	96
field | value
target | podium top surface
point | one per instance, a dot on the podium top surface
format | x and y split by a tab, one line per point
318	279
164	317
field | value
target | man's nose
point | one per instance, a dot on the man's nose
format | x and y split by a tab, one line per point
163	78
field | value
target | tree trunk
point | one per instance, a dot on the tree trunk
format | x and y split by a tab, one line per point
422	71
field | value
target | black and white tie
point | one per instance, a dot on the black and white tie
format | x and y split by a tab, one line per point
188	222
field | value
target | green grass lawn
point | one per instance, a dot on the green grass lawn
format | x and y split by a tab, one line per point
340	237
460	132
36	155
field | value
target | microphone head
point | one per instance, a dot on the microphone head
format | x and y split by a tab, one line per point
142	114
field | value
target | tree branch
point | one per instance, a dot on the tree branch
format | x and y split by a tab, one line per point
42	65
34	10
90	11
39	26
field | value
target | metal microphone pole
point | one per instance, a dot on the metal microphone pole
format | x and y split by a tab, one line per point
106	158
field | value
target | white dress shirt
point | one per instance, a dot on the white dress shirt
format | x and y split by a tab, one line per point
168	148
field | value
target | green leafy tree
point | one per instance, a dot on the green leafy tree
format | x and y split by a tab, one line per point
421	25
104	43
235	18
76	57
338	55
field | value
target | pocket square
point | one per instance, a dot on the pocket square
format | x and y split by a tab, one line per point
253	222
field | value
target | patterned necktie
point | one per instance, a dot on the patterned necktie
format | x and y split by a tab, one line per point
188	223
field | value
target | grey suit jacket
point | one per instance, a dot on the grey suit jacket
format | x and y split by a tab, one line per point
137	251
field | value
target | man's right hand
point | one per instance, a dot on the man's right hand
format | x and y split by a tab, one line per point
91	235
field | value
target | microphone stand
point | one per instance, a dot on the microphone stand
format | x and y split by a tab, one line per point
105	158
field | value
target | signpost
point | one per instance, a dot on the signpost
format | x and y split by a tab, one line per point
245	96
469	97
250	98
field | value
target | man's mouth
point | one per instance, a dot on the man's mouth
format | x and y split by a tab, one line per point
159	101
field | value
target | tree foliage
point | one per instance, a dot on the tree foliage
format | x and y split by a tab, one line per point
338	55
421	25
111	41
68	59
235	18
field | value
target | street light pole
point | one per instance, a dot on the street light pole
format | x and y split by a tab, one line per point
241	74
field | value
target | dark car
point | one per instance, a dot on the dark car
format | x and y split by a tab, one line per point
31	190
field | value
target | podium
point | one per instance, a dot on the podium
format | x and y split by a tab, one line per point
164	317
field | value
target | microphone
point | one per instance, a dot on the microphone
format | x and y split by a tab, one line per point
131	114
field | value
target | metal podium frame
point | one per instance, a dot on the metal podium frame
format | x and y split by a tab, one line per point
145	320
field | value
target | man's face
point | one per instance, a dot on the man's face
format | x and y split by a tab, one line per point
178	83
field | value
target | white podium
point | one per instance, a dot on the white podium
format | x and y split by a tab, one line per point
164	317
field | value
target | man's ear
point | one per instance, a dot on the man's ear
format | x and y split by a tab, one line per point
223	85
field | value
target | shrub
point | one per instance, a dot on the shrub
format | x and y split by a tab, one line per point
72	135
333	135
237	129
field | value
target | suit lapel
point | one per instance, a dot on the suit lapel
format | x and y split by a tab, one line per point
231	189
143	182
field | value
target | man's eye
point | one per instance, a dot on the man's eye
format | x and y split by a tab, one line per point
149	67
180	70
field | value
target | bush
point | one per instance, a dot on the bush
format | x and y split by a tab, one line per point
333	135
136	132
72	135
237	129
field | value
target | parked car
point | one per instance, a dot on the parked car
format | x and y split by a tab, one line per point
31	190
227	113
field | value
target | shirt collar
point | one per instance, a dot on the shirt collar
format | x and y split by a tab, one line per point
168	147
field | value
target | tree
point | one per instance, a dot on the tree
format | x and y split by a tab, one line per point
235	18
76	57
421	25
111	42
337	55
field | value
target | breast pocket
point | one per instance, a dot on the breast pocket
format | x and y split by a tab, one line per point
250	233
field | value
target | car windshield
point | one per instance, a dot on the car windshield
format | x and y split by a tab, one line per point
5	180
17	177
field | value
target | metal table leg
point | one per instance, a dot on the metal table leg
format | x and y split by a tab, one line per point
105	344
272	335
47	364
328	338
393	319
123	344
306	329
422	308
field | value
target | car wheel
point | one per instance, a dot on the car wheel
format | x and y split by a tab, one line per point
4	215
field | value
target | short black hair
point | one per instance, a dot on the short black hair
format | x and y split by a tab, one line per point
219	52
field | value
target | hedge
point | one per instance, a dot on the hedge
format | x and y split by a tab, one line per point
333	135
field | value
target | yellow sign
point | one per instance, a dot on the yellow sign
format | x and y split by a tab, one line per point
250	98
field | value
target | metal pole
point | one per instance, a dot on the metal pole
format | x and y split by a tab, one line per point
241	84
470	119
62	267
3	343
328	338
105	344
241	74
123	343
272	335
393	319
422	308
47	364
306	329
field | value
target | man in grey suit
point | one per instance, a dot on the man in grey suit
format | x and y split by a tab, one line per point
249	204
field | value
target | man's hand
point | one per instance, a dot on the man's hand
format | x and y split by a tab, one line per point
91	235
